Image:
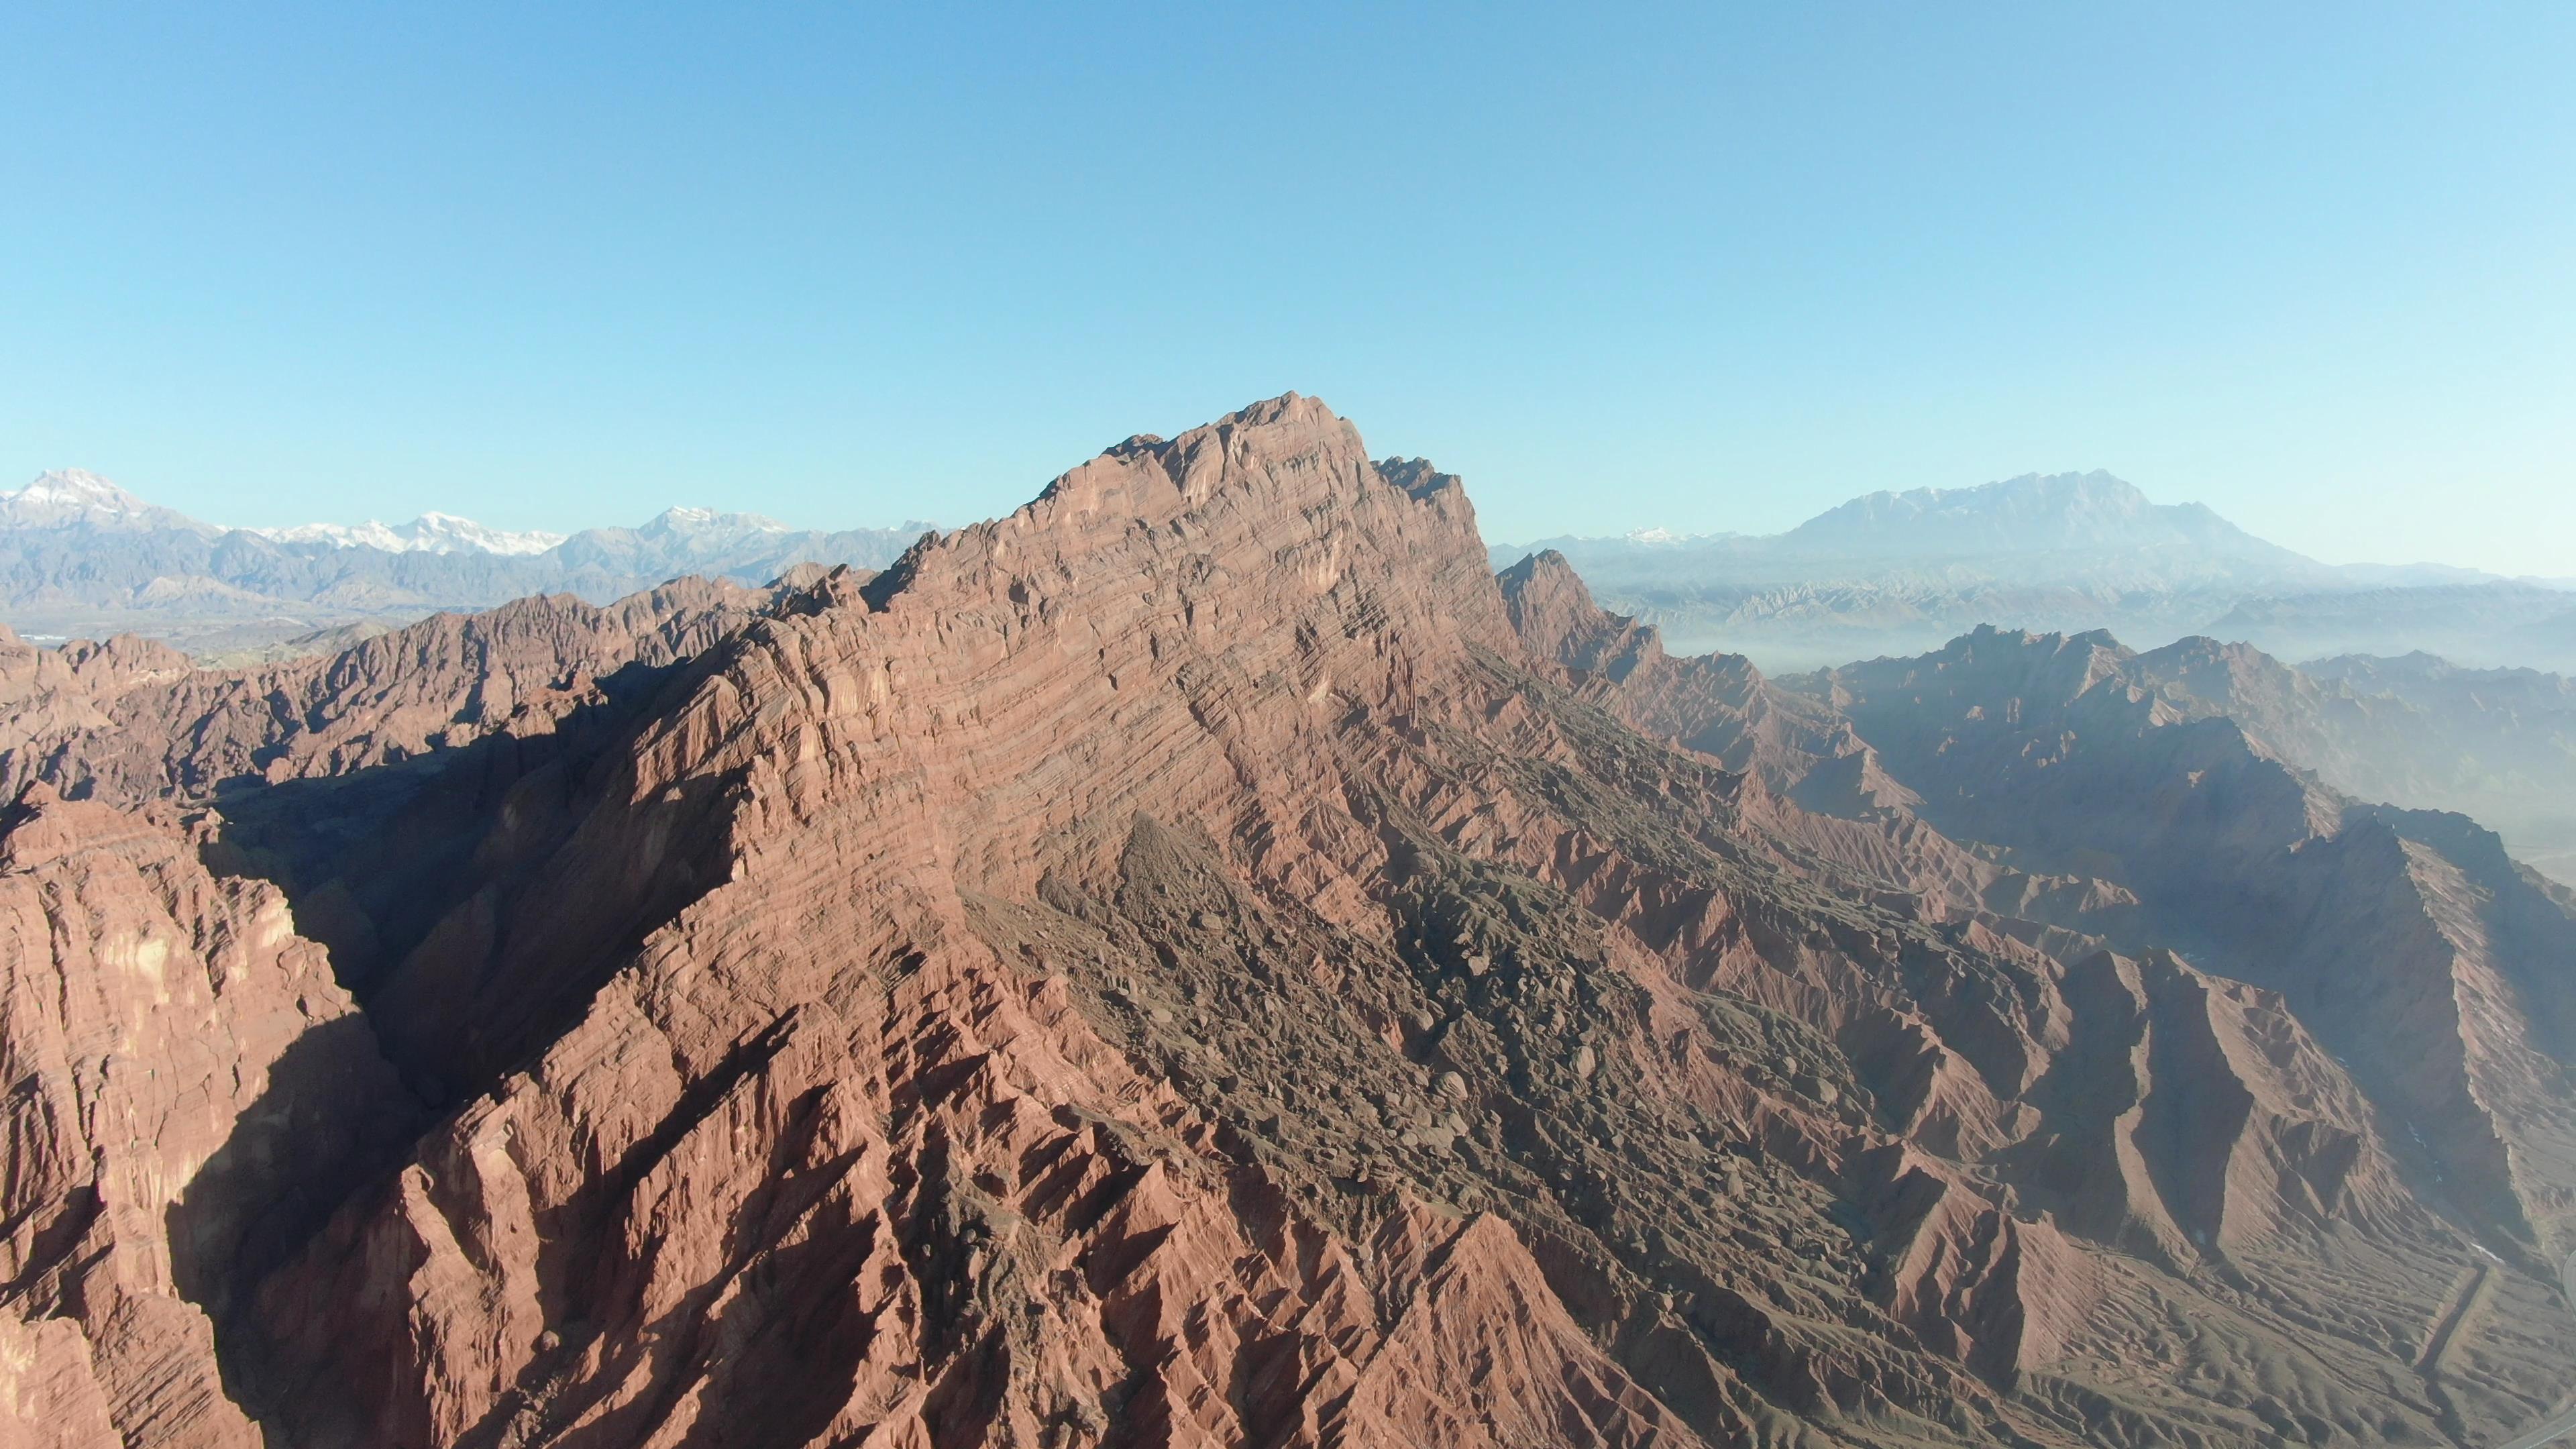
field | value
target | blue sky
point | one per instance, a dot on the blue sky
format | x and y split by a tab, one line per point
1705	267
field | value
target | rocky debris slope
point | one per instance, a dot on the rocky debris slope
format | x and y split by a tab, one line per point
1799	750
70	693
817	1099
1718	704
1198	961
1224	760
2406	940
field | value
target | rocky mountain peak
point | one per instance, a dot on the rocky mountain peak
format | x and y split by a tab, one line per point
2032	513
1278	494
75	497
709	523
1198	960
432	532
1557	618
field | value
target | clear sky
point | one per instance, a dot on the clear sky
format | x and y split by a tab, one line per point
1706	267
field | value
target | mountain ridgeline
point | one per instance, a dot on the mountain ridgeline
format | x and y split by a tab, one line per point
80	556
1206	960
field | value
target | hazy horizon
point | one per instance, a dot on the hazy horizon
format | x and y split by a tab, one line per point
657	509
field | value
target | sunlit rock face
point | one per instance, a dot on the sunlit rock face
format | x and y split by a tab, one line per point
1202	961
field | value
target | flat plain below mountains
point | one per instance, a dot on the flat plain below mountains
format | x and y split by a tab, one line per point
1205	961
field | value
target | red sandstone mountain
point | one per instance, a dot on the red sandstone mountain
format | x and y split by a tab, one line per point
189	1088
1200	961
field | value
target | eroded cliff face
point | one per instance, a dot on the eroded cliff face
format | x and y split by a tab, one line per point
2434	969
1199	961
189	1091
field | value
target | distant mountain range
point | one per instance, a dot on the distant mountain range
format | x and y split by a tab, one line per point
1900	573
1884	574
429	533
80	556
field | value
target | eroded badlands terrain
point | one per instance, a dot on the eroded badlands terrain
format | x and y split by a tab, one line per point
1202	961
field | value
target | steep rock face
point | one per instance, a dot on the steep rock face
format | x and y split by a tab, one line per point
354	778
2228	1126
188	1089
1844	806
1718	704
2211	1134
59	694
1199	962
2051	746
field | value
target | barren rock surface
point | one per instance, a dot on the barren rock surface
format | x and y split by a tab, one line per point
186	1083
1200	961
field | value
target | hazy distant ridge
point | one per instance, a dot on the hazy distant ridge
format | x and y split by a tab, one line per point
79	555
1899	573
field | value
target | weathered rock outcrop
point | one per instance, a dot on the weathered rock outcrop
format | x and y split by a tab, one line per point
1198	961
188	1091
1718	704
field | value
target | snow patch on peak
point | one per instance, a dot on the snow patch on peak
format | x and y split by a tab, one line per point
76	497
697	518
75	485
429	533
708	528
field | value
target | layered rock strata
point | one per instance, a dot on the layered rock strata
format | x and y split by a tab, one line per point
1200	961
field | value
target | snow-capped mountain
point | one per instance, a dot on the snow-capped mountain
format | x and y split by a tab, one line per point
75	498
707	528
80	556
429	533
